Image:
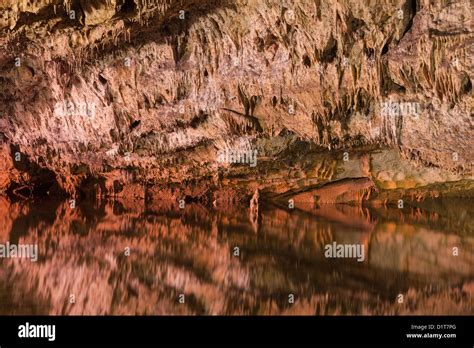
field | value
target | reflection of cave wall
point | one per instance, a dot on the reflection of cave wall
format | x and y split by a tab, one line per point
190	251
416	250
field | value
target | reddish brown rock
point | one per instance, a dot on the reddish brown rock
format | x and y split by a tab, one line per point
153	90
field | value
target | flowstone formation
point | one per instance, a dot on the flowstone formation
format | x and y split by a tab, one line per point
343	101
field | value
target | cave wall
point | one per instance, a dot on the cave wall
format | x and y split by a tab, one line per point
120	91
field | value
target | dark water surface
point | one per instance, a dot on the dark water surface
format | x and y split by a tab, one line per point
83	267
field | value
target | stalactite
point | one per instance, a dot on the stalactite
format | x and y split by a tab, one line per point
67	5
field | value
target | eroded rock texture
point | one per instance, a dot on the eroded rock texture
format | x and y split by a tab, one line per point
125	97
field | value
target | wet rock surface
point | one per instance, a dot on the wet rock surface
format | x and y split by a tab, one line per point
182	129
98	96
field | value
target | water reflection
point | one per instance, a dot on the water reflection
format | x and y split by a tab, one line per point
191	251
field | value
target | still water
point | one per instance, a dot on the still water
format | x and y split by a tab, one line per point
128	258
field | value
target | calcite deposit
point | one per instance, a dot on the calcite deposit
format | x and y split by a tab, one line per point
135	98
